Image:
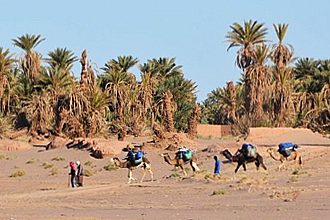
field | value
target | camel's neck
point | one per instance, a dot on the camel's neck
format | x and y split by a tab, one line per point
230	157
169	160
121	164
273	155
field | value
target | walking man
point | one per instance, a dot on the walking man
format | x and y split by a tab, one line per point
217	166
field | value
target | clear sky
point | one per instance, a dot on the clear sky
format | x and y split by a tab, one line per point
193	31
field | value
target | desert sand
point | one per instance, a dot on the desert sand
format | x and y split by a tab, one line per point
292	193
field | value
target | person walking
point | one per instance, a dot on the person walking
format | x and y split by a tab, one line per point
72	173
80	174
217	166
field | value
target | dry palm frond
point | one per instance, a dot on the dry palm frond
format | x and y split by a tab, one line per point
40	113
31	65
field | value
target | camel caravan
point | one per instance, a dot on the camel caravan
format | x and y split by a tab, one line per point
248	153
136	158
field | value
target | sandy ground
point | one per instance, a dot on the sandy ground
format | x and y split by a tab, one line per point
43	192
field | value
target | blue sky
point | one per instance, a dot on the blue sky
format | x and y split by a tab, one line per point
190	30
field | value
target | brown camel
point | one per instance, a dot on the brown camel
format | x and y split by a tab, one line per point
243	160
295	156
180	162
145	165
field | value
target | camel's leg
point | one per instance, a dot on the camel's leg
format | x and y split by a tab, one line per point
184	172
151	174
144	174
130	178
260	162
300	161
194	166
257	164
244	166
238	166
280	166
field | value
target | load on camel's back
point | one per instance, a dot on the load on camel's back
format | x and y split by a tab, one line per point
249	150
184	153
286	148
135	156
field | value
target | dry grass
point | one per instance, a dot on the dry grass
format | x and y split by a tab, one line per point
47	165
4	157
89	172
30	161
218	192
53	172
58	158
110	167
17	173
88	163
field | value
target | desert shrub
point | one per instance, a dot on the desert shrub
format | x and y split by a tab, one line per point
53	172
18	173
58	158
47	165
4	157
30	161
174	175
88	163
219	192
89	172
110	167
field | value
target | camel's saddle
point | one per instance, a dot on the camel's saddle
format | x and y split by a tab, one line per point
249	150
135	157
286	148
185	155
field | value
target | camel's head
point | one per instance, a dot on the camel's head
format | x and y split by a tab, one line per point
163	154
269	150
115	161
227	154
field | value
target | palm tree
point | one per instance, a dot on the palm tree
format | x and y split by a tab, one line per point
256	80
117	81
31	61
61	58
147	88
282	56
232	96
246	37
193	121
98	106
6	72
39	111
56	80
167	76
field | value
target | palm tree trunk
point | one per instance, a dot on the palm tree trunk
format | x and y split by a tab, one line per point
193	121
168	108
232	96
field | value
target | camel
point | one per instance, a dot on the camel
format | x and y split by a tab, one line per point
242	160
295	156
145	165
180	162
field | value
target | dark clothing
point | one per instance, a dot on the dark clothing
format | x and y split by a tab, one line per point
217	166
73	176
80	173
